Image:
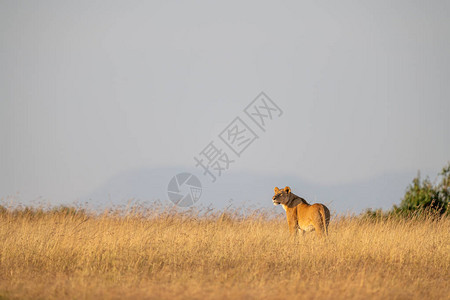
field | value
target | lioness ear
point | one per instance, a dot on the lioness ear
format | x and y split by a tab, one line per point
287	189
276	189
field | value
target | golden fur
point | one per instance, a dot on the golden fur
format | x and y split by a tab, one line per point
301	215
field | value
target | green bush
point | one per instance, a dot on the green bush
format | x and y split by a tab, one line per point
422	199
423	195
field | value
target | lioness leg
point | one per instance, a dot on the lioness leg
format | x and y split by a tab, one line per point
319	226
292	226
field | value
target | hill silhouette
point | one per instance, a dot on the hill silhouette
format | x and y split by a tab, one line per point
242	189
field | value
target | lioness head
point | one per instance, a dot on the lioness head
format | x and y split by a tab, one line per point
281	196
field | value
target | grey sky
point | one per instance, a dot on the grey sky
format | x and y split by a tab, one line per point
90	89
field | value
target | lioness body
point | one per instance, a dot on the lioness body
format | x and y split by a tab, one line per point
301	215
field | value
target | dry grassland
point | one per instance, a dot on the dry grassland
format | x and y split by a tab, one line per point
68	254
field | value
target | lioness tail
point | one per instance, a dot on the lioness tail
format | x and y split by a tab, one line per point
322	213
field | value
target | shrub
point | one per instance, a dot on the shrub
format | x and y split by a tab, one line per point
423	195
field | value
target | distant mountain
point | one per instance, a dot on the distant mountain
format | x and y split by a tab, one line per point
250	190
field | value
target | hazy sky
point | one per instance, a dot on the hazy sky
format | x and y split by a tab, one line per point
90	89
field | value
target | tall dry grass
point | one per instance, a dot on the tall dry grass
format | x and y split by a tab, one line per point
161	254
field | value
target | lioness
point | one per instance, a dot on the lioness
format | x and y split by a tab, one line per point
300	215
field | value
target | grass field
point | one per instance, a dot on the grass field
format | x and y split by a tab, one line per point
155	254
